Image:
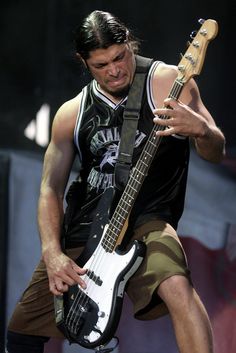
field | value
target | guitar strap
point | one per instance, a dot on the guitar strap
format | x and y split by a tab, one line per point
130	122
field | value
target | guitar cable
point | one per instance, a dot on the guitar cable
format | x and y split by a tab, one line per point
102	349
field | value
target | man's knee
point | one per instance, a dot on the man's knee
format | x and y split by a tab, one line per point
19	343
176	289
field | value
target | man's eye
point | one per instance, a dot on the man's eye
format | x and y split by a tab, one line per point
99	66
120	57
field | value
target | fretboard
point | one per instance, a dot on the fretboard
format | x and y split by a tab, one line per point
136	179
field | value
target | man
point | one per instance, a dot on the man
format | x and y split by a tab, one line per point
89	126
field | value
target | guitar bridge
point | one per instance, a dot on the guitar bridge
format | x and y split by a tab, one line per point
82	315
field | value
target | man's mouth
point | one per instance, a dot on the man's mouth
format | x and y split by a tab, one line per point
117	81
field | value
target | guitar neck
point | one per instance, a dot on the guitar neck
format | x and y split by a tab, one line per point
136	179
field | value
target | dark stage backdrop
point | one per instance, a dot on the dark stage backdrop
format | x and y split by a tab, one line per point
38	66
39	72
4	205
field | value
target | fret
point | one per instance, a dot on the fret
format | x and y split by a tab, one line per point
113	231
122	212
127	203
117	220
137	171
152	143
119	216
110	233
108	247
148	153
132	177
114	228
127	193
135	190
127	199
146	165
123	209
108	242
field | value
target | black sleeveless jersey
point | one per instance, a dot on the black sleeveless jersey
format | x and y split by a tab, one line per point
97	136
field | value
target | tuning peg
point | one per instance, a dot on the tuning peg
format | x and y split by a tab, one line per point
193	34
201	21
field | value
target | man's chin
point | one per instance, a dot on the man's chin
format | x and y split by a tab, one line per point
120	92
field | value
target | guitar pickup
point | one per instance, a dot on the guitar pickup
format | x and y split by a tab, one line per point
97	280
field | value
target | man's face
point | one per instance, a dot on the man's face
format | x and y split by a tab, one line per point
113	68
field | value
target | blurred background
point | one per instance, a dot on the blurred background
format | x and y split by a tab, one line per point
39	72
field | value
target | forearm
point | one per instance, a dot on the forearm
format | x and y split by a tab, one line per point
62	271
211	144
50	217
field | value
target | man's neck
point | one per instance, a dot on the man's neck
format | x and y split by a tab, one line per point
114	99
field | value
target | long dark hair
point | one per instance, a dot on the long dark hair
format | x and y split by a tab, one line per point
99	30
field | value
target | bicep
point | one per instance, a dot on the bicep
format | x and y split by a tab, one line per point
59	158
57	166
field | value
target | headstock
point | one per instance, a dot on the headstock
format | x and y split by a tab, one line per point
192	61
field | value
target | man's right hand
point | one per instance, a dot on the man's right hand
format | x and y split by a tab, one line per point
62	273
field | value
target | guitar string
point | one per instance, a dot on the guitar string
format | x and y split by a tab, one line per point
132	186
140	170
121	211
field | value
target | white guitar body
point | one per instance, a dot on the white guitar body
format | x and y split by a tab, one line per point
114	269
90	316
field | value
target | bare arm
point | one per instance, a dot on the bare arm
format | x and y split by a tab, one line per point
189	117
62	271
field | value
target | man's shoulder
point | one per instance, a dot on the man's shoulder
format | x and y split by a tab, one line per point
71	106
162	80
165	71
67	113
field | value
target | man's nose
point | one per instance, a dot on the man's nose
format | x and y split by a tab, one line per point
113	70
